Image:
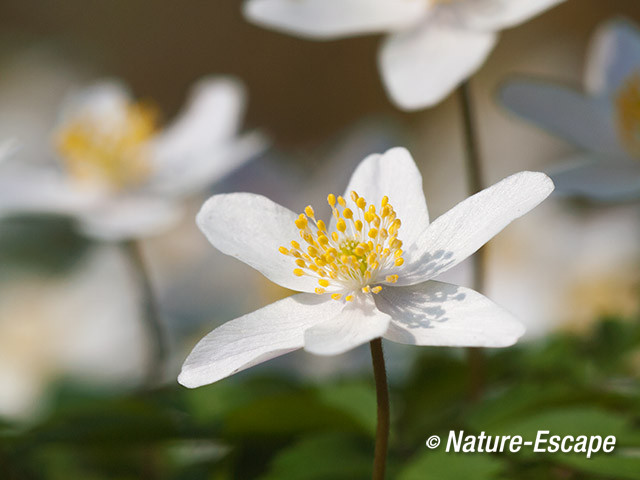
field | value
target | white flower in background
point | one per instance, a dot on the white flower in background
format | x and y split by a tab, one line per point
366	274
604	121
85	326
119	175
433	45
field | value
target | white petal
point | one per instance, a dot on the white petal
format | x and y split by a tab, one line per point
615	180
211	116
614	54
106	100
204	168
254	338
327	19
499	14
125	217
39	190
395	175
461	231
252	228
441	314
358	323
587	122
421	66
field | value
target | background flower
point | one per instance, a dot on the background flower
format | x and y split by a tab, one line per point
432	46
602	122
119	177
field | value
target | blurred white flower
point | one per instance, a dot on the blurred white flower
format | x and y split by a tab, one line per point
360	280
433	45
7	149
117	174
604	121
84	325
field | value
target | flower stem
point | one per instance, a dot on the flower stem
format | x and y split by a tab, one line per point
382	396
158	357
475	356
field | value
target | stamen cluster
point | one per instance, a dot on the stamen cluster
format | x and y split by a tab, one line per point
109	151
364	244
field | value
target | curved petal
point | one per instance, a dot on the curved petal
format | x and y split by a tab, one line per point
254	338
329	19
211	116
421	66
126	217
395	175
252	228
461	231
614	54
601	181
499	14
358	323
441	314
583	121
39	190
204	168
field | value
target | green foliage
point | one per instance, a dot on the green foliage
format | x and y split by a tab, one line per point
275	427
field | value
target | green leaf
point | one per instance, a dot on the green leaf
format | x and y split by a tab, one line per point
440	465
320	457
358	400
608	466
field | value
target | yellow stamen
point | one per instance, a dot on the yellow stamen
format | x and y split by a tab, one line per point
353	256
109	151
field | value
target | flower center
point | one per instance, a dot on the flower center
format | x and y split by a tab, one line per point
628	114
109	151
363	247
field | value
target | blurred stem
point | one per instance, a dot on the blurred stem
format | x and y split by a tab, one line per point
151	316
475	356
382	397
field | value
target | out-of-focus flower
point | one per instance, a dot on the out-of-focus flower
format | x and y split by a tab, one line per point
117	173
604	121
84	326
360	280
432	45
7	148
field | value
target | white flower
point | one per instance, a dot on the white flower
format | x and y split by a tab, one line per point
433	45
365	275
120	176
85	325
604	121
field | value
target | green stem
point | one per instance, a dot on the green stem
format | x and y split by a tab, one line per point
382	396
151	316
475	356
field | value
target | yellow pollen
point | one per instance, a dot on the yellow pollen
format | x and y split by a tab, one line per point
628	113
309	211
353	257
112	152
